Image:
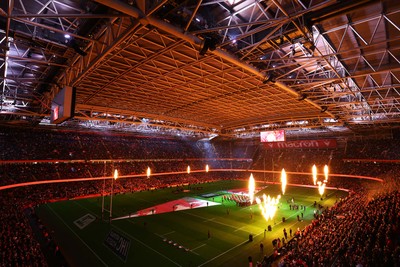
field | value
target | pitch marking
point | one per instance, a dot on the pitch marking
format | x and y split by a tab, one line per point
137	240
198	247
61	219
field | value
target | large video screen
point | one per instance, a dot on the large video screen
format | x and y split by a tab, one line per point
63	105
273	136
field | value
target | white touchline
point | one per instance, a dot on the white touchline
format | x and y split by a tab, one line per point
137	240
61	219
223	253
210	260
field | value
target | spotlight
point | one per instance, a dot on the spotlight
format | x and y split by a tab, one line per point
309	46
269	77
292	51
74	45
302	97
209	43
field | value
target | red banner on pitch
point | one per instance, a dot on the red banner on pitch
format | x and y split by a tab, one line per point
323	143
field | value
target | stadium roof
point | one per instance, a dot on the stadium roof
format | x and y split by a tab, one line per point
204	67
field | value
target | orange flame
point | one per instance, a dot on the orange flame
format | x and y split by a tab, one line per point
252	188
283	181
314	174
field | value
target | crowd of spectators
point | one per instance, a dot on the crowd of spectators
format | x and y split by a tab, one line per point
385	149
342	236
358	231
343	160
12	173
295	160
21	144
18	247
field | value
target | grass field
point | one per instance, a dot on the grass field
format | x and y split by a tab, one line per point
149	240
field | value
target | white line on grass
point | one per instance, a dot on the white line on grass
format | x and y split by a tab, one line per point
240	228
83	207
198	247
162	235
211	220
210	260
223	253
169	233
137	240
159	235
61	219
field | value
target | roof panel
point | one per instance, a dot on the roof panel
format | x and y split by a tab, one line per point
230	66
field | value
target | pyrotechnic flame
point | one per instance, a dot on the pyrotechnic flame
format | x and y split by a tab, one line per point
326	171
268	206
321	185
321	188
148	172
314	174
188	169
207	168
252	188
283	181
115	174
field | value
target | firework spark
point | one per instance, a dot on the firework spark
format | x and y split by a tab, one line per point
321	187
252	188
314	174
268	206
283	181
326	172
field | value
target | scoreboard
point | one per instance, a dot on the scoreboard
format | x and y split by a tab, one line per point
63	105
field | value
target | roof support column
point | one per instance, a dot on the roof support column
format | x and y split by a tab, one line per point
10	5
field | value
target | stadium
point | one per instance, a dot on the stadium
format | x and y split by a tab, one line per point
200	133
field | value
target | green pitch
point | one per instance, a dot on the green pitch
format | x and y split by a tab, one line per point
207	236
